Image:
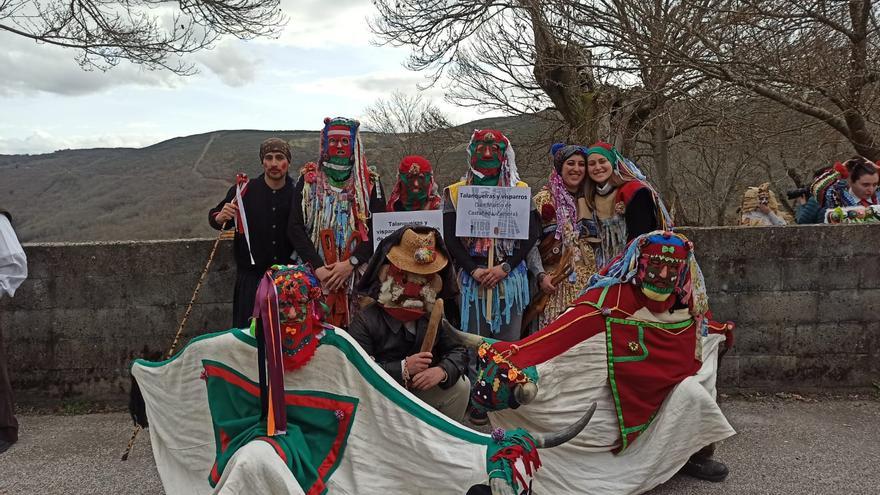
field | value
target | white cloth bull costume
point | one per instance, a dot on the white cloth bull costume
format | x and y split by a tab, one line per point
318	417
640	345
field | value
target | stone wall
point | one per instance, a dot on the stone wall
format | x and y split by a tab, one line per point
806	301
86	310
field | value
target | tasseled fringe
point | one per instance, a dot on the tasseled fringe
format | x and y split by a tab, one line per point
613	240
515	288
516	445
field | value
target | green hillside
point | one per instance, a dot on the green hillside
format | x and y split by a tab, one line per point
165	190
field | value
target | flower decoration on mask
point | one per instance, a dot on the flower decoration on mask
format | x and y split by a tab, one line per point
310	172
497	380
300	312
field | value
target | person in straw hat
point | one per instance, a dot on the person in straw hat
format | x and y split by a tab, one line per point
407	277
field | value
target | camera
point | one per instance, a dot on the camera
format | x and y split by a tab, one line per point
803	192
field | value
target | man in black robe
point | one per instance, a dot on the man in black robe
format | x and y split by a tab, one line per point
267	201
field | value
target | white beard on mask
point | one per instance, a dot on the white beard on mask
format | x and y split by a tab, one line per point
391	293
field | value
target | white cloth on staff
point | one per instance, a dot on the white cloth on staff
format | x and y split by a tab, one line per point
13	262
688	420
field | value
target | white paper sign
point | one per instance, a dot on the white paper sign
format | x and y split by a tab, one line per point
493	212
385	224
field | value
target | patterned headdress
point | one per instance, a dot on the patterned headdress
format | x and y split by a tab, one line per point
274	144
508	175
412	166
624	269
288	311
566	209
626	170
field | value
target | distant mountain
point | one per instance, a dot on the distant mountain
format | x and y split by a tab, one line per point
165	190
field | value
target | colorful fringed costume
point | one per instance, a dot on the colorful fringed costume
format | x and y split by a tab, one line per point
624	207
565	253
415	188
492	163
295	406
333	202
649	363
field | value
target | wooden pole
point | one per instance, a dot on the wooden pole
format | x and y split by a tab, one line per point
489	291
189	307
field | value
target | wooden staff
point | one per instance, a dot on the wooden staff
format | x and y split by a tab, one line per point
563	270
489	291
179	333
433	327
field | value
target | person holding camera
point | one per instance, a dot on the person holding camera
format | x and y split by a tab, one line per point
760	208
806	207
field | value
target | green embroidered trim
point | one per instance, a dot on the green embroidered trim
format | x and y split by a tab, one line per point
623	359
369	374
613	359
156	364
604	293
613	382
379	383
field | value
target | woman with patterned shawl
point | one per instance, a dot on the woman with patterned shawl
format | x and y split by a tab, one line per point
330	219
563	261
622	203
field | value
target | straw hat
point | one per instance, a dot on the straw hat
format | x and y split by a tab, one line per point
417	253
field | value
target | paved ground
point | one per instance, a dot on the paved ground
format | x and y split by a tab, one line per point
783	447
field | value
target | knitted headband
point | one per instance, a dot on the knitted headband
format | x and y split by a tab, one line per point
274	145
564	153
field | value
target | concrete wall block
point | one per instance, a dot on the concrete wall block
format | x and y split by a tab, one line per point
777	307
728	371
834	370
758	339
766	371
868	268
744	275
818	274
832	339
724	305
849	305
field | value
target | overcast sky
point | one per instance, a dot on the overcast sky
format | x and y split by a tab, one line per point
322	65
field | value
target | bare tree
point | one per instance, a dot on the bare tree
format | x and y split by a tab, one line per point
597	63
818	57
417	126
152	33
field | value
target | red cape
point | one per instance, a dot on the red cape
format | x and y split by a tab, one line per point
646	360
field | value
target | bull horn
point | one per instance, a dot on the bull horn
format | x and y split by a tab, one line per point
500	487
525	392
555	439
462	338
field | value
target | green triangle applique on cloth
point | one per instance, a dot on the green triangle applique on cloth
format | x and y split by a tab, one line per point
318	425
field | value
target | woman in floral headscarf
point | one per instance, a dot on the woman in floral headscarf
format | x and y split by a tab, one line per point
563	261
622	203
